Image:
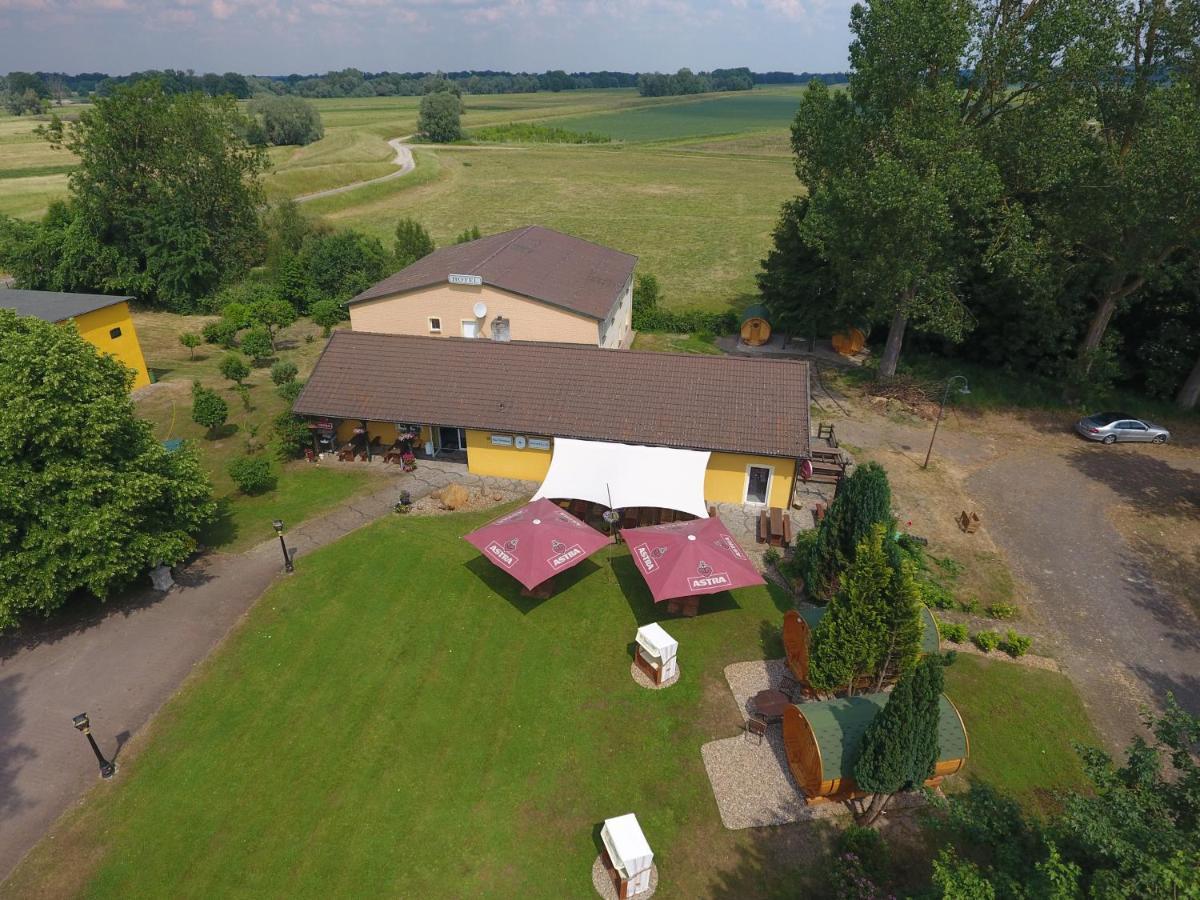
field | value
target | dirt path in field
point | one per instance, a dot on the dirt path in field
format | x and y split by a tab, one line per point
120	662
404	159
1104	543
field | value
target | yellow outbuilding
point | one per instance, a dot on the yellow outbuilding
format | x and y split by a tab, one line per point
103	321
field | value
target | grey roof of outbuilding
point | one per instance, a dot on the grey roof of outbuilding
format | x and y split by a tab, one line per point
700	402
54	306
533	261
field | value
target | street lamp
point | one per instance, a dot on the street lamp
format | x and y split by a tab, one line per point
106	768
287	557
945	394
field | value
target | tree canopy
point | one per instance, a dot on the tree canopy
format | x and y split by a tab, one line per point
288	120
89	500
439	118
163	205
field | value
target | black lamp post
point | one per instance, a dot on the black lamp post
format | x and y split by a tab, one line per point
106	768
945	394
287	557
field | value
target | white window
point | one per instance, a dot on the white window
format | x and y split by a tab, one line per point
435	325
470	327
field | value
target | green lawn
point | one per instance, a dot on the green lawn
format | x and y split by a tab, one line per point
396	720
1022	724
726	114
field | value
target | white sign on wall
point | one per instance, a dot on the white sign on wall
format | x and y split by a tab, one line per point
467	279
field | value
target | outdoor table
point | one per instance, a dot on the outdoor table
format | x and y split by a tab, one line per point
770	704
779	531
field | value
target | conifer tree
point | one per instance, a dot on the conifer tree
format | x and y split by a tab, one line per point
900	644
863	501
899	749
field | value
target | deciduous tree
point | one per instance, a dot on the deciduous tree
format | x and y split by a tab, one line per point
412	242
191	340
439	117
89	499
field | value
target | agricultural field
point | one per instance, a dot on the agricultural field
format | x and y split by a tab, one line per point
691	186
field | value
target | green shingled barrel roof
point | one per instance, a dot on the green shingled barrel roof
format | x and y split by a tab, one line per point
930	642
839	726
756	311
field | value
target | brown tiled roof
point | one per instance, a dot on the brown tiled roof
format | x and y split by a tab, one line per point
533	261
565	390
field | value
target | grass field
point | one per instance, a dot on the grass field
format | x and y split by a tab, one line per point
396	718
693	188
302	489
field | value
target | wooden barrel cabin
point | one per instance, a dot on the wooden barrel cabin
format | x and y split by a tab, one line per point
756	326
822	741
798	626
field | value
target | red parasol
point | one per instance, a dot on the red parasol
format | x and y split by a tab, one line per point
536	542
683	559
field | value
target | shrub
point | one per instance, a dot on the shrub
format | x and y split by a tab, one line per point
935	595
191	340
969	606
252	474
953	632
243	392
326	313
234	367
238	314
208	409
772	556
256	343
222	332
532	133
1002	611
412	243
288	120
1015	644
289	435
868	846
284	371
290	390
987	641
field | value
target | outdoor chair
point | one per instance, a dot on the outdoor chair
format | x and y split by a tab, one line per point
756	727
789	685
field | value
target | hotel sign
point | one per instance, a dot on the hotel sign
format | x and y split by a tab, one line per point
475	280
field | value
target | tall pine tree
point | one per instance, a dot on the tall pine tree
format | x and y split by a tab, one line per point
899	749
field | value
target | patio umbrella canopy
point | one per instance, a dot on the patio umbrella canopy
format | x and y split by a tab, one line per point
536	542
683	559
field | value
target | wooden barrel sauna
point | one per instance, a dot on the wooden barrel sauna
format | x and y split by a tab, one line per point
798	626
822	741
850	341
756	326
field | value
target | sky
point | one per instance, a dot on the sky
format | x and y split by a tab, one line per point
307	36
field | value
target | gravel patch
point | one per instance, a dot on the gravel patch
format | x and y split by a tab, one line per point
643	680
748	678
606	888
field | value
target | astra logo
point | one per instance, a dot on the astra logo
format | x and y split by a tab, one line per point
725	542
564	554
503	555
511	546
646	557
708	581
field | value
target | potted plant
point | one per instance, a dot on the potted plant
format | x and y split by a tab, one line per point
404	504
409	461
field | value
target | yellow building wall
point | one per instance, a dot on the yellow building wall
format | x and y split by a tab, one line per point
485	458
725	480
94	327
529	320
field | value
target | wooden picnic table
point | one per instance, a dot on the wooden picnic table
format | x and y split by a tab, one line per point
774	527
770	704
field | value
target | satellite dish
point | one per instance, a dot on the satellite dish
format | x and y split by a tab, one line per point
480	309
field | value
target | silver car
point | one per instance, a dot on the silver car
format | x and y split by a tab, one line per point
1110	427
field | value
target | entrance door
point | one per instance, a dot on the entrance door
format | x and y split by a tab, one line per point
758	480
451	439
470	328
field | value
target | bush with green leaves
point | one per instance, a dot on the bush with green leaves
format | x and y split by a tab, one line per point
256	344
341	264
1002	611
237	314
272	314
290	435
234	367
954	632
327	313
209	409
222	332
468	234
287	120
970	606
191	340
89	497
987	641
283	371
252	474
413	242
290	390
772	556
936	595
439	117
1014	644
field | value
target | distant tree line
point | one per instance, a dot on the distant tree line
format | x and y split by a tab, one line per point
32	92
685	81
